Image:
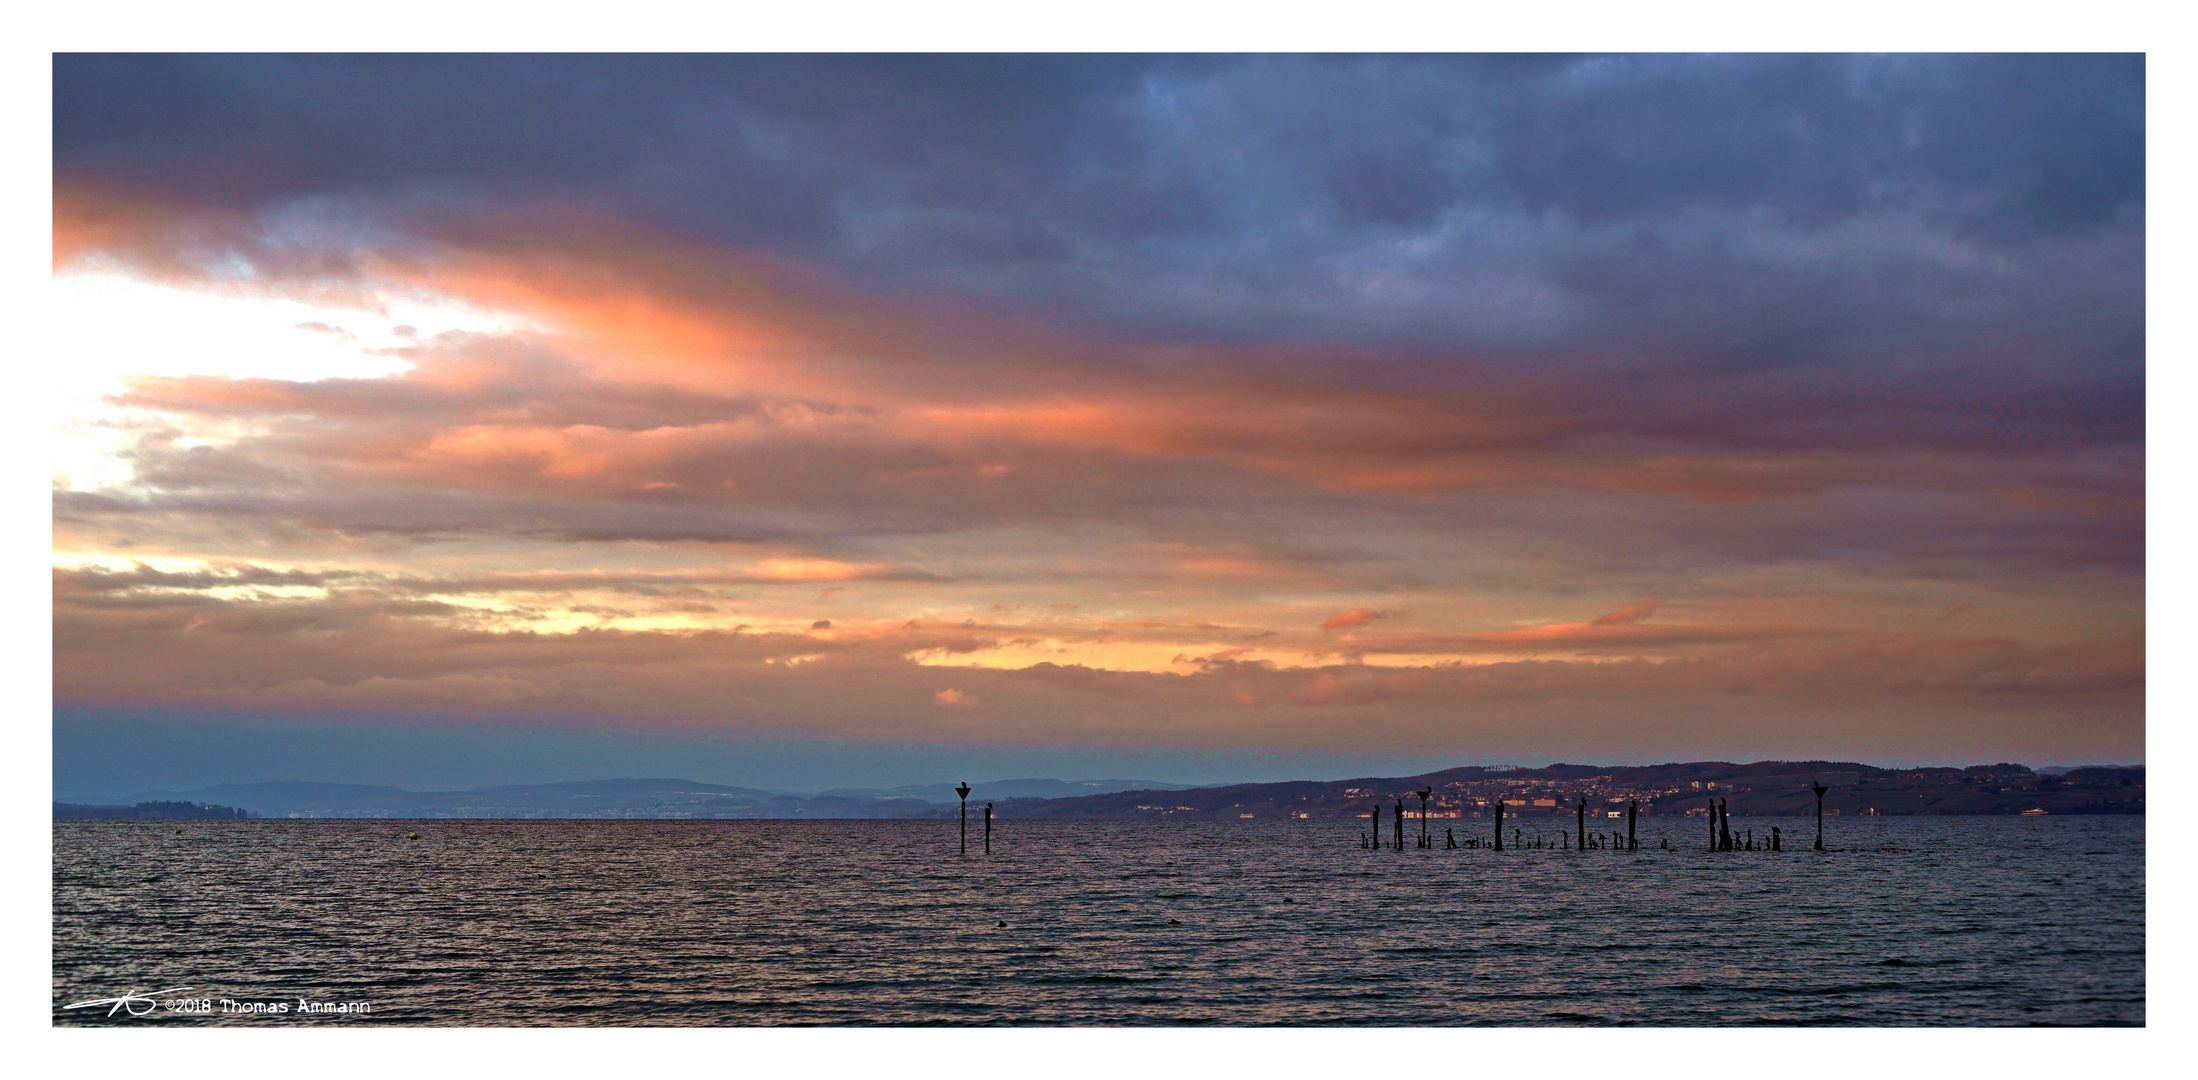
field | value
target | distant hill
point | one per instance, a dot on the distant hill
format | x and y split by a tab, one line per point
1754	789
578	798
279	796
621	798
149	810
1758	788
1005	789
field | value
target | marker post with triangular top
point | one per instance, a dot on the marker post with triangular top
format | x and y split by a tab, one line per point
963	791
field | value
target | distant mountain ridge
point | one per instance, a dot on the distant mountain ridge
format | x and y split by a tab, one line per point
625	797
1006	789
149	810
1766	788
1756	788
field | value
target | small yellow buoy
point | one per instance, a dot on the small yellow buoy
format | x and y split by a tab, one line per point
415	836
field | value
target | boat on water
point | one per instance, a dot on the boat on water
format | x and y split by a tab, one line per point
2034	813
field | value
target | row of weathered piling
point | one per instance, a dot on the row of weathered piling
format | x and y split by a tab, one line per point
1721	834
1721	838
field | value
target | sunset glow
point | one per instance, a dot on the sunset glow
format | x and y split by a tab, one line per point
1001	404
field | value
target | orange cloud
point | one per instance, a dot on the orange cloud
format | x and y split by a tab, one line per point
630	306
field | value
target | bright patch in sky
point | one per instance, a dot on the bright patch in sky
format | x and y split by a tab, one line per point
119	327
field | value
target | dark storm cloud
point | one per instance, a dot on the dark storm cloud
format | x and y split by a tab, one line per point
2041	144
1740	212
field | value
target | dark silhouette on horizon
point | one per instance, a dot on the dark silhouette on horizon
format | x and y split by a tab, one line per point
165	809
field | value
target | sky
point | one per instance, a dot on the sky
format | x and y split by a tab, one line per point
801	421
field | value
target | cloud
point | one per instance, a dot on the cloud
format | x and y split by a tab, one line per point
355	652
1631	613
1513	201
649	414
1355	617
1133	389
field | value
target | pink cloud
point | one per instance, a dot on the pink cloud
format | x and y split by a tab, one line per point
1356	617
1631	613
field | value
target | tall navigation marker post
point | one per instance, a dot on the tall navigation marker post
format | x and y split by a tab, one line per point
963	791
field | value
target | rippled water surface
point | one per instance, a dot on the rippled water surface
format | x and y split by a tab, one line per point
1933	921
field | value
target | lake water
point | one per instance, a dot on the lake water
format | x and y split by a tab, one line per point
1910	921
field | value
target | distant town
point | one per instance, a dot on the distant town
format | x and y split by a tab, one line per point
1764	788
1758	789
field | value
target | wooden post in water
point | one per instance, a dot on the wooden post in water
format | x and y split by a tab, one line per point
1580	823
1777	840
1400	824
1376	815
1820	790
1499	824
988	828
1633	811
1724	811
1423	793
1713	824
963	791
